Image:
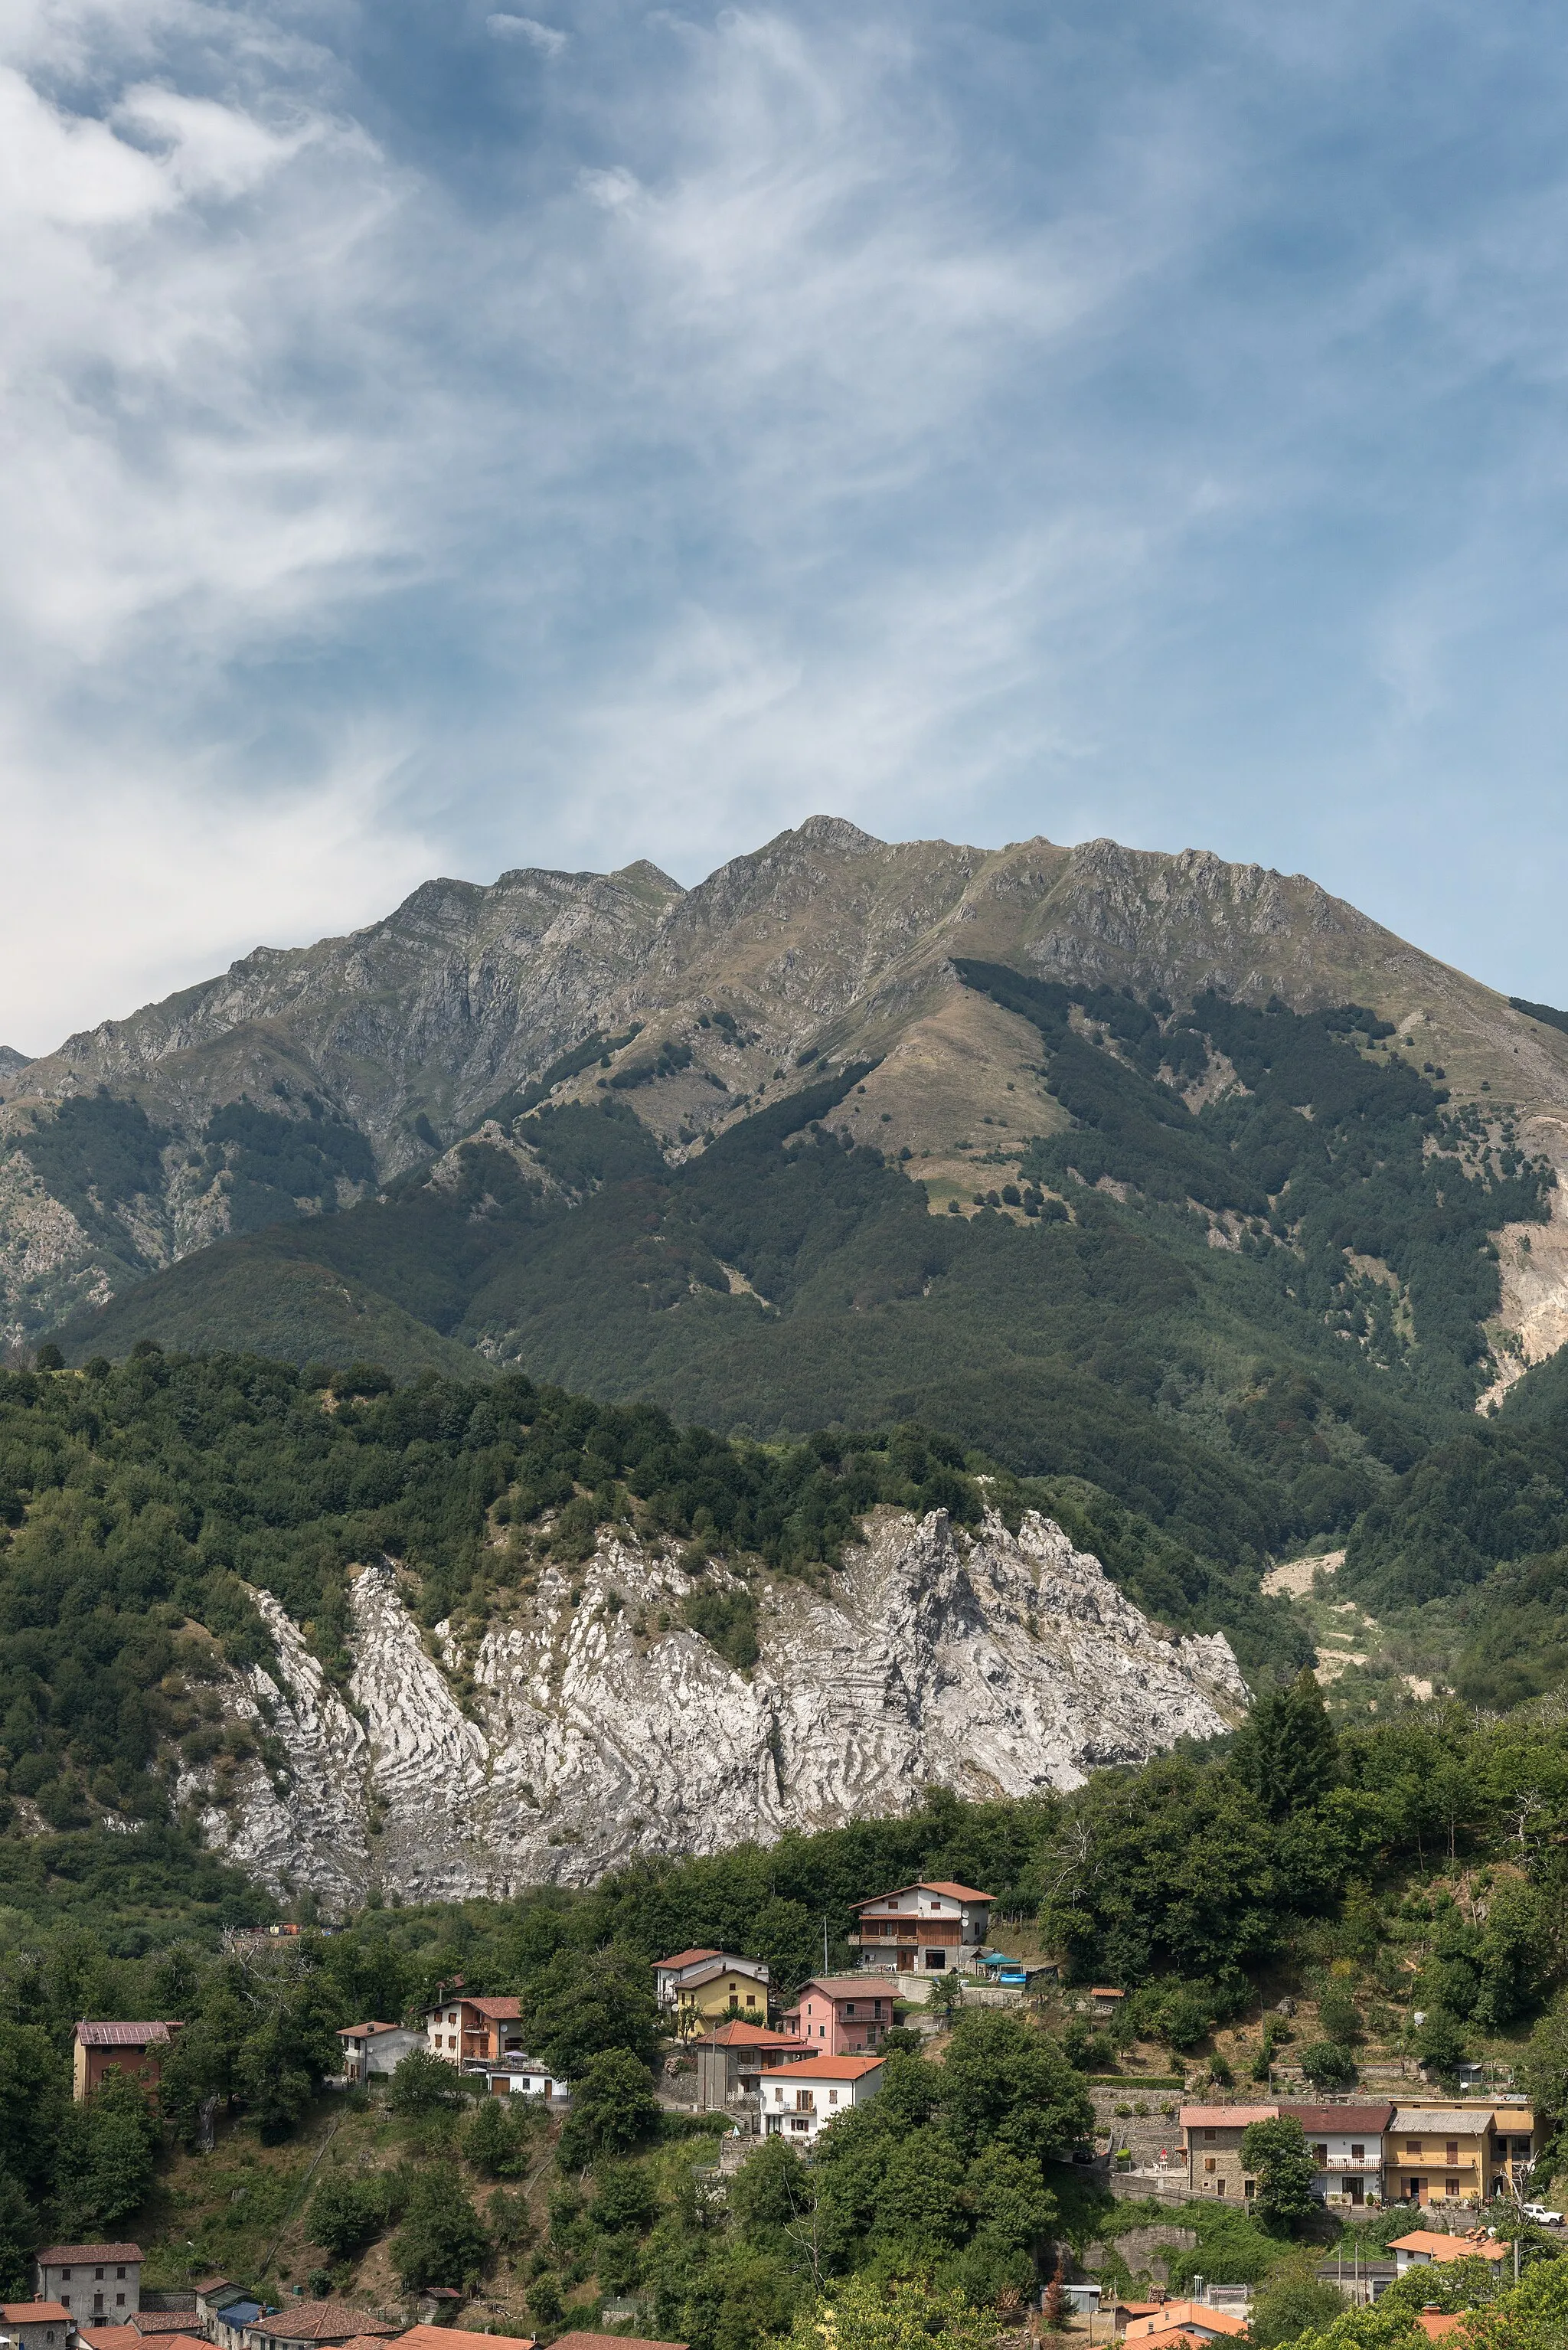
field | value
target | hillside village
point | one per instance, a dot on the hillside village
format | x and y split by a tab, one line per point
746	2071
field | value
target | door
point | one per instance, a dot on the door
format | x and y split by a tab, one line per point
1357	2192
1418	2189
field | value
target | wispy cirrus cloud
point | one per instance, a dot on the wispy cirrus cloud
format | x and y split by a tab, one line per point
414	456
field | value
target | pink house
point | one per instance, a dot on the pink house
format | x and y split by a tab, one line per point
841	2015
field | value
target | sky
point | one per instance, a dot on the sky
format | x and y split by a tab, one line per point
436	438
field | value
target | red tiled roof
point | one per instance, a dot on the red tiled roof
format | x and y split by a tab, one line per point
1434	2323
834	2068
34	2313
358	2032
1449	2248
1225	2117
110	2337
684	1959
844	1987
611	2342
446	2337
739	2033
69	2256
1174	2314
160	2321
320	2321
928	1885
1341	2121
123	2035
499	2011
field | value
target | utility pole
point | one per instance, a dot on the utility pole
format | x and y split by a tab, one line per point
824	1946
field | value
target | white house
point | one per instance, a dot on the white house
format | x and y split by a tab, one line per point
372	2050
800	2100
519	2076
1345	2143
923	1928
101	2285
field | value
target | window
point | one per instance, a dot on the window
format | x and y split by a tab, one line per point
1210	2137
1209	2163
65	2272
1218	2187
833	2097
1358	2154
1450	2187
98	2272
1320	2155
936	1961
1520	2147
1413	2146
120	2272
1249	2187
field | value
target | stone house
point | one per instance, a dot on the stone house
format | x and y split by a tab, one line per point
101	2285
732	2061
314	2326
1211	2140
923	1928
36	2324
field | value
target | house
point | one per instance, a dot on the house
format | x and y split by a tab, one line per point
133	2048
1435	2322
101	2285
231	2321
1211	2140
213	2294
1345	2143
1454	2153
731	2062
1106	2001
718	1988
923	1928
799	2101
670	1973
461	2027
374	2051
313	2326
1195	2319
520	2076
842	2013
1422	2248
36	2324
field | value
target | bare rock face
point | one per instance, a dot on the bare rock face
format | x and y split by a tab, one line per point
600	1728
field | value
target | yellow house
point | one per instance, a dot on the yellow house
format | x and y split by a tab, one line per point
718	1989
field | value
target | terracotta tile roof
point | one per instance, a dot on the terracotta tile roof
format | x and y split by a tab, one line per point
446	2337
684	1959
34	2313
109	2337
844	1987
739	2033
833	2068
928	1885
123	2035
360	2031
162	2320
1449	2248
1174	2314
499	2011
1343	2121
321	2321
1434	2323
69	2256
1225	2117
611	2342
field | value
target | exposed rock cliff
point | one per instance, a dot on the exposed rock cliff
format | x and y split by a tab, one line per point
600	1728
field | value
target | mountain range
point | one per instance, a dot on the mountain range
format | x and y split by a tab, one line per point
1179	1185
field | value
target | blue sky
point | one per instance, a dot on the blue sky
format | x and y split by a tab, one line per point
440	438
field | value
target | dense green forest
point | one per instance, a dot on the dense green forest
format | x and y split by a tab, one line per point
1417	1866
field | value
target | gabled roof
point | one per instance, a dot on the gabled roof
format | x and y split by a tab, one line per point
1174	2314
34	2313
1447	2121
160	2321
867	1986
363	2031
1341	2121
1225	2117
830	2068
67	2256
684	1959
123	2035
1449	2248
755	1970
739	2033
499	2011
928	1885
1434	2323
110	2337
322	2320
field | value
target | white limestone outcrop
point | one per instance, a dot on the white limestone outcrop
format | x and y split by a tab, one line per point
600	1728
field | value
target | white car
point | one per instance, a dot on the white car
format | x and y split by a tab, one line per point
1540	2215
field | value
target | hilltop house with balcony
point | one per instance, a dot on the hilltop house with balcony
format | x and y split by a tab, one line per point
1346	2145
923	1928
799	2101
461	2029
1458	2153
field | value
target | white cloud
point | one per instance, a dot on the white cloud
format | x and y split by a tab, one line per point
545	39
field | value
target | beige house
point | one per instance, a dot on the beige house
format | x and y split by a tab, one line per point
1459	2153
462	2028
